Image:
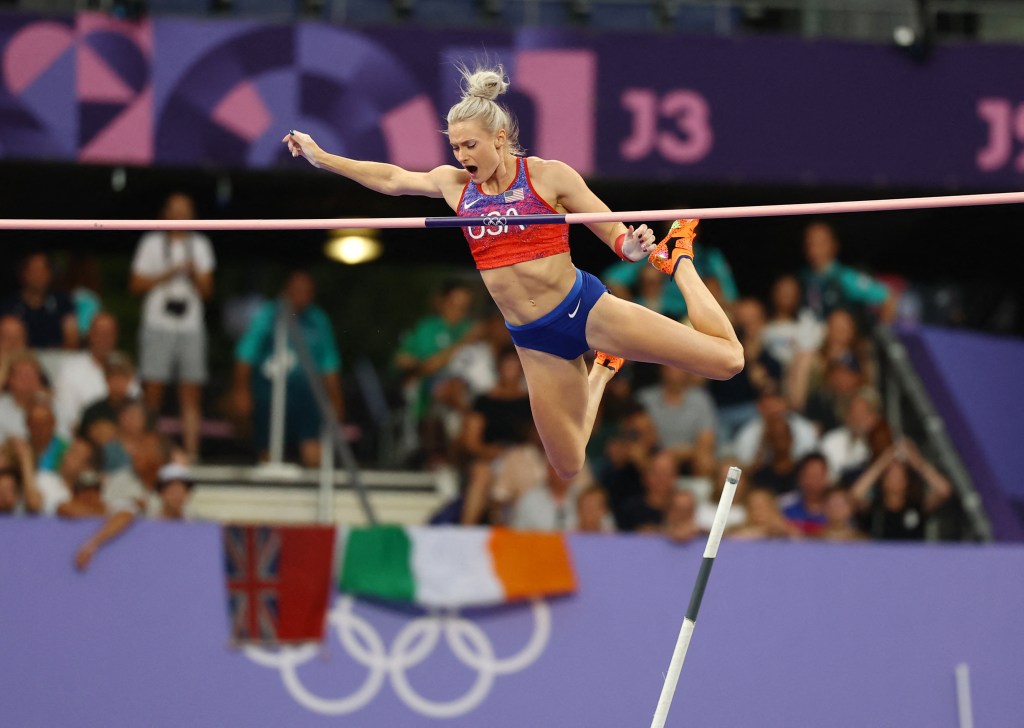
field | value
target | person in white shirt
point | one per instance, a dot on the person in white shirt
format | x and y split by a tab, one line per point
82	378
173	270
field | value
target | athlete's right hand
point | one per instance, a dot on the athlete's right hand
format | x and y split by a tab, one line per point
299	143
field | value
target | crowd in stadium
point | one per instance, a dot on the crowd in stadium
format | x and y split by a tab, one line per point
804	419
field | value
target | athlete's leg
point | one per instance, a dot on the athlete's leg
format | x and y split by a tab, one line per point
564	400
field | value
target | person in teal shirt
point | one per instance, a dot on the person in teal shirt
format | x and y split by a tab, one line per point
829	284
636	282
256	364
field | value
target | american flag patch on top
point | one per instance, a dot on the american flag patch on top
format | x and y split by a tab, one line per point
515	195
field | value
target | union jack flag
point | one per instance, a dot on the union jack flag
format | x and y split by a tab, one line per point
515	195
252	563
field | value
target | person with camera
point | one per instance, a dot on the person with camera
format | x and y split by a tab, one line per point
173	271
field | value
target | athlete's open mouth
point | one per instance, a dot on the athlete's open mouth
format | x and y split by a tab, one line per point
471	168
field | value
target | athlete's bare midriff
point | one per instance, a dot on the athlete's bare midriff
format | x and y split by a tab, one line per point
526	291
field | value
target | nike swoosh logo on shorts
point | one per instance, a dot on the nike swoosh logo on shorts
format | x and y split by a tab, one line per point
576	310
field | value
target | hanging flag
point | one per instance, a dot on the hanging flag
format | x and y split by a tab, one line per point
279	582
454	566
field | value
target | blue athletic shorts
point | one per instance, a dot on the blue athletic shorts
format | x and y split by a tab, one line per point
563	331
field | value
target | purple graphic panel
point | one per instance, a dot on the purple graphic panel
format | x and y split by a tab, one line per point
741	111
852	635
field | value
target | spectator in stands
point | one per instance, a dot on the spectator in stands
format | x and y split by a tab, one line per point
86	499
828	404
634	283
774	465
47	446
81	379
764	520
82	281
736	398
806	507
174	485
476	362
840	523
829	284
426	350
26	383
843	342
99	419
647	512
771	403
173	271
627	454
791	326
681	518
898	493
592	512
847	448
18	491
48	314
130	495
256	363
550	506
499	420
684	419
13	342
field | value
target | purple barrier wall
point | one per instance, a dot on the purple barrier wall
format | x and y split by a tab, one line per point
788	635
974	381
751	110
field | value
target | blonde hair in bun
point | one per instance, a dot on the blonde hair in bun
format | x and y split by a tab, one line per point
480	87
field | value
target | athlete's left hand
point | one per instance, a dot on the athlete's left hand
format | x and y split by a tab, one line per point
638	243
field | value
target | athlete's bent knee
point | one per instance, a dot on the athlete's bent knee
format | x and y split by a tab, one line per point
568	468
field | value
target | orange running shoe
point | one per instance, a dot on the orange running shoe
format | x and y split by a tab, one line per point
675	246
607	360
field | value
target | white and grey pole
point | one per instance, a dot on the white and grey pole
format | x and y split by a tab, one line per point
710	551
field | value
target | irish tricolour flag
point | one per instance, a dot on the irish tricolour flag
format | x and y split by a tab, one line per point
454	566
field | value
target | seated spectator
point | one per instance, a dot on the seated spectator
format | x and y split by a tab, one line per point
256	362
647	512
791	327
770	404
99	418
132	487
627	454
475	363
174	485
736	398
172	480
681	518
592	512
843	342
847	448
898	493
499	419
829	284
86	499
550	506
47	446
774	466
423	352
18	492
827	405
134	425
764	520
82	279
26	384
81	378
48	315
840	522
805	508
684	419
13	342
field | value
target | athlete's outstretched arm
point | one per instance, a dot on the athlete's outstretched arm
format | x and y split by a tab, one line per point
389	179
575	196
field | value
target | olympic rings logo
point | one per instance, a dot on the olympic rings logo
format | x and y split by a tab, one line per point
411	646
